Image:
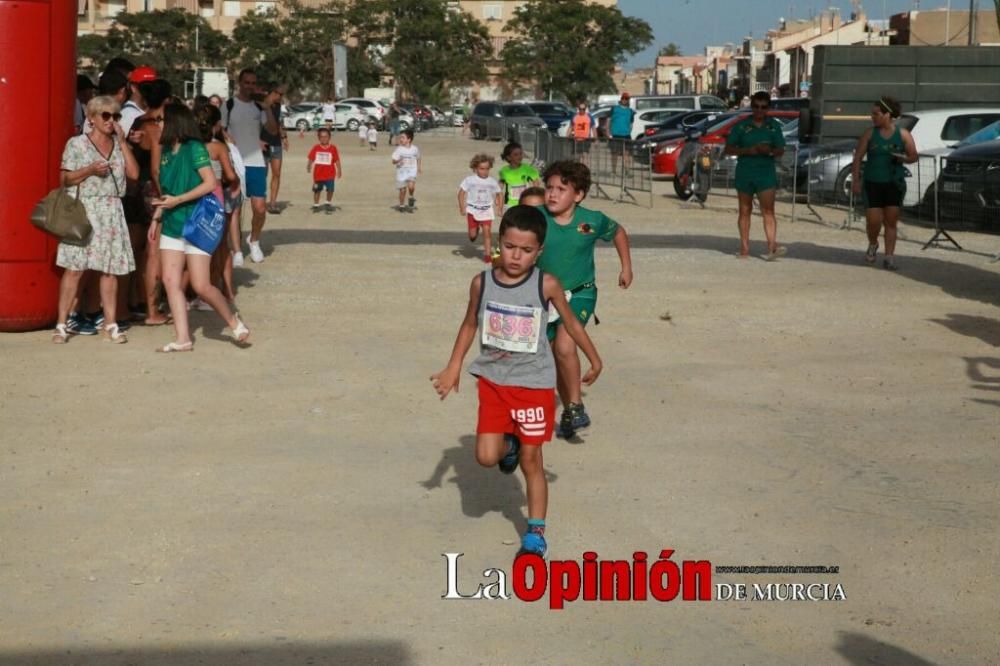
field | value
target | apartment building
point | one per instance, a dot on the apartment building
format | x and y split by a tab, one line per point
96	16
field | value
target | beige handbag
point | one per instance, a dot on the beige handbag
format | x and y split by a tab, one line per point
64	217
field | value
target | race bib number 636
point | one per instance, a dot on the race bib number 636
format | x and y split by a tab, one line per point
512	328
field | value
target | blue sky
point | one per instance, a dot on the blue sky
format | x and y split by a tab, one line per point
693	24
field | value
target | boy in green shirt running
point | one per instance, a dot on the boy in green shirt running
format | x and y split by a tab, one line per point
572	233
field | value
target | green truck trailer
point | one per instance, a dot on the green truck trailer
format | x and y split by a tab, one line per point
846	80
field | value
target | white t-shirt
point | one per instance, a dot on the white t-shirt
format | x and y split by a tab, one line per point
480	196
372	135
244	124
130	111
407	157
329	112
362	132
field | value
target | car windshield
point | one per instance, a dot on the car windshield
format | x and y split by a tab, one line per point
518	110
716	123
989	133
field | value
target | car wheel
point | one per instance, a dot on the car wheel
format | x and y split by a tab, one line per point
353	124
403	125
302	126
842	187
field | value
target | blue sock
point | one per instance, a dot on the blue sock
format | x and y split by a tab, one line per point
536	525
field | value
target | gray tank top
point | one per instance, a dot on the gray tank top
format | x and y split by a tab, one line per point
513	347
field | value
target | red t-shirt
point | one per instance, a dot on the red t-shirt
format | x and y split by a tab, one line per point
324	158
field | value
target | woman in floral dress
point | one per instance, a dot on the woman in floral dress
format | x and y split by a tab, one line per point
94	167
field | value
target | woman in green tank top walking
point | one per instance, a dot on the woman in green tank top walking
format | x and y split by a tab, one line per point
885	148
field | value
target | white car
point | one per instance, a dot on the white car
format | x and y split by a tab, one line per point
644	119
347	116
936	133
372	107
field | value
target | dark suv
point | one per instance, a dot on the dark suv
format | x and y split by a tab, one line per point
553	113
502	120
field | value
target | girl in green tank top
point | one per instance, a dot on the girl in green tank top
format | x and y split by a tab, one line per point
885	148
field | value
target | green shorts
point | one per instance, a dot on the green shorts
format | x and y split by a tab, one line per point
582	304
755	182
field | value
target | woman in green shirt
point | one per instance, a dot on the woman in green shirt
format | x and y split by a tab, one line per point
756	142
885	148
185	176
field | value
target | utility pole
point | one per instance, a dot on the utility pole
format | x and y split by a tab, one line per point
972	22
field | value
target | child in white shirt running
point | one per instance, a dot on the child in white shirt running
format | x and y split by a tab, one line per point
479	197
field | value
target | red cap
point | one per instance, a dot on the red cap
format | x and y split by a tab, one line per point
625	95
142	74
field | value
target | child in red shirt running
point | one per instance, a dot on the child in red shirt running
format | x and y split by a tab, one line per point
327	160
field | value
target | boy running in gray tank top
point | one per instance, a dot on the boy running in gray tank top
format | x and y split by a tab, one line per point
515	371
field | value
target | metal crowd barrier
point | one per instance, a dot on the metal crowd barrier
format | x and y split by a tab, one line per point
614	164
945	195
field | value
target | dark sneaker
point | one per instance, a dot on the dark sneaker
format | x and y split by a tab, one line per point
574	417
508	464
79	324
97	318
889	264
412	202
533	542
871	253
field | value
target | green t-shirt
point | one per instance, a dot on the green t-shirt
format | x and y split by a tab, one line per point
517	180
179	174
745	134
568	253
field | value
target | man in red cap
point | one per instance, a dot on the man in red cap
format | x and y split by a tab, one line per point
134	107
620	126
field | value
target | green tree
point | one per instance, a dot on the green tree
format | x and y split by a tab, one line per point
570	47
172	41
295	46
670	49
427	46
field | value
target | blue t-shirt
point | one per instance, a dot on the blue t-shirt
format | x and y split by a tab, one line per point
621	122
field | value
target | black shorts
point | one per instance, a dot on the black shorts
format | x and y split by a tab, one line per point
883	195
617	144
582	146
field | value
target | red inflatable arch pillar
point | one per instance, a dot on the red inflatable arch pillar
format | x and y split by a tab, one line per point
37	89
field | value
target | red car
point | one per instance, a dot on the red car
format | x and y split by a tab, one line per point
665	154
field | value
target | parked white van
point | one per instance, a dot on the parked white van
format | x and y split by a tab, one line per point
692	102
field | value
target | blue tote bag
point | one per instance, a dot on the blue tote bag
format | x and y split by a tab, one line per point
205	225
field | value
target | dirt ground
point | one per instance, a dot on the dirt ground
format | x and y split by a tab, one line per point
291	502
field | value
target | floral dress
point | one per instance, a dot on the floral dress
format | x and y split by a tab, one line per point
109	250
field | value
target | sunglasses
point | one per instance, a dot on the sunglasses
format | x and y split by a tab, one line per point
107	115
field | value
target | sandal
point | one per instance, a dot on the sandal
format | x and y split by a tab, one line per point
176	347
111	333
241	332
60	335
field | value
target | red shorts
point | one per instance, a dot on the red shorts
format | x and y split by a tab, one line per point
473	222
528	413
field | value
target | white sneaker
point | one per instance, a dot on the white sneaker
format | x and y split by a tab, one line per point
256	254
237	260
200	305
